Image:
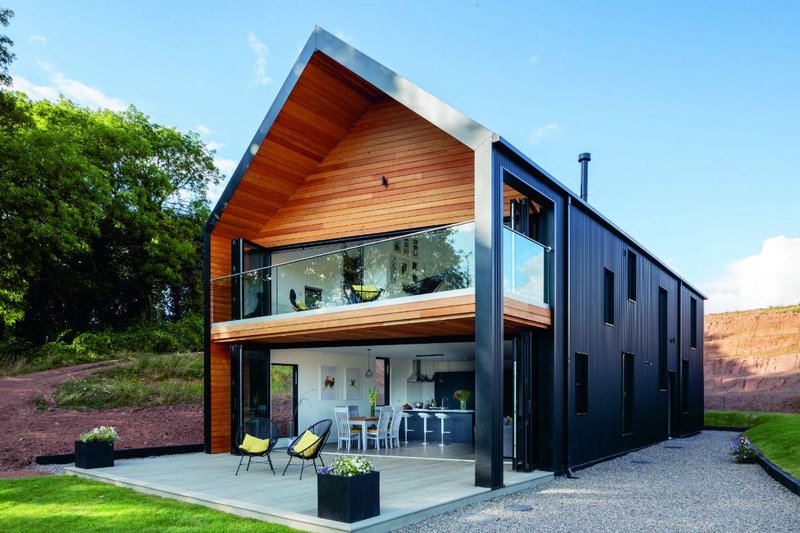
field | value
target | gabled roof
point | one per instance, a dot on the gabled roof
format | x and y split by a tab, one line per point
324	50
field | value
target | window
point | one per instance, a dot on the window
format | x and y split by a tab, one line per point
382	380
685	386
581	383
663	341
627	392
313	297
693	325
631	276
608	297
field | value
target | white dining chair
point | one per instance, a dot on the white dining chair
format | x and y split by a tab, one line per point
381	432
394	427
346	432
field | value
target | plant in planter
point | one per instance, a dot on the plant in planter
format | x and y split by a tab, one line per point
462	395
95	449
373	399
744	451
348	490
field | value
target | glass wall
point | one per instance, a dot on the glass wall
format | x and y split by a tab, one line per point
523	267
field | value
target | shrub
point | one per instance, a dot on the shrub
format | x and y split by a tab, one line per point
744	451
349	466
101	434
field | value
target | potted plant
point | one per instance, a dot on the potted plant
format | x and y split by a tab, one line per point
95	449
462	395
348	490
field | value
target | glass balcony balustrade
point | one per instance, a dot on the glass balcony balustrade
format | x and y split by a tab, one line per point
416	264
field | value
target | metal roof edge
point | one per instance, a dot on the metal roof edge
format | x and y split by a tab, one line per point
576	199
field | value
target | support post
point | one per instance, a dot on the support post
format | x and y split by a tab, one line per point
488	321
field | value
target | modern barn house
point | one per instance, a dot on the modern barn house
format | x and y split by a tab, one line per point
373	237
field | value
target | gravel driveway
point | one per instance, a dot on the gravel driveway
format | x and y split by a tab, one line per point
680	485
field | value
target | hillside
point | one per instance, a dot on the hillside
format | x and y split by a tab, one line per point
752	360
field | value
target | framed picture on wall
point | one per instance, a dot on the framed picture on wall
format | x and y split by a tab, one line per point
328	383
352	384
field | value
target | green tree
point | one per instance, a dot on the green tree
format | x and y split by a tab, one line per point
102	217
6	57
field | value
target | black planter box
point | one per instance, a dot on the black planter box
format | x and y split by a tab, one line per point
348	499
94	454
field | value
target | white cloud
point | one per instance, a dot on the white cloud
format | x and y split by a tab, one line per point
35	92
769	278
260	66
203	130
75	90
543	132
37	40
226	166
214	145
534	61
44	65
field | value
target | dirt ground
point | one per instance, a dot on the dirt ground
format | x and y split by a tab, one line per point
752	360
28	431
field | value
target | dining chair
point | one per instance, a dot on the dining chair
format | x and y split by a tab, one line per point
394	427
346	432
381	432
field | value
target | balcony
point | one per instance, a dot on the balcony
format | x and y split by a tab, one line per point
417	285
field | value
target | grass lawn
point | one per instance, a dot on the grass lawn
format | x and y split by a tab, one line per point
66	503
776	434
144	380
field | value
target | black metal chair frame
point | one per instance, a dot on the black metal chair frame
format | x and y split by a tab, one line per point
322	430
262	428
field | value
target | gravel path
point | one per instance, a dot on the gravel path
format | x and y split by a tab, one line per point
692	488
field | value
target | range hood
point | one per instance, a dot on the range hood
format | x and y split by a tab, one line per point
416	374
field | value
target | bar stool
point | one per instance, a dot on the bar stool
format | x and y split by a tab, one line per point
406	416
425	430
442	417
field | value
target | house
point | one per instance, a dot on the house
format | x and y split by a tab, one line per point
373	237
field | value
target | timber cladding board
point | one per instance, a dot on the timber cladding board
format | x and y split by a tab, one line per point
220	398
426	318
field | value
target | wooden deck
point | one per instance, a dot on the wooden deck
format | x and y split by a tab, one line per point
412	489
411	317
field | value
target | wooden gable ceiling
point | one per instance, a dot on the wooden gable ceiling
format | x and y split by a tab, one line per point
324	104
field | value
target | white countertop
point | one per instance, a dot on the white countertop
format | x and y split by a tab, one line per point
441	410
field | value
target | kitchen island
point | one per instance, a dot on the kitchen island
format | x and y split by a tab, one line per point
460	424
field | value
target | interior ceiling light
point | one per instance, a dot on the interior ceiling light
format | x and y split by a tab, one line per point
368	373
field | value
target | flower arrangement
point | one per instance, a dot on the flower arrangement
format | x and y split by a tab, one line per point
349	466
462	395
101	434
744	451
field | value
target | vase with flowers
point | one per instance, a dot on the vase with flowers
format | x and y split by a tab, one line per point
373	399
462	395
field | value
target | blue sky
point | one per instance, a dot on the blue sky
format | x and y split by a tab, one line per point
690	111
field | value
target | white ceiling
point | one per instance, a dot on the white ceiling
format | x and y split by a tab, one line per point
453	351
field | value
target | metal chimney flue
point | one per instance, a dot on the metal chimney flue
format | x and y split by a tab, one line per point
584	159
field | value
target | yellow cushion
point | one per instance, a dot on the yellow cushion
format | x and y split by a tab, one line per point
307	445
367	292
254	444
301	306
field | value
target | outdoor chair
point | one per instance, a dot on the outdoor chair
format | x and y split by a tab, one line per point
298	306
308	446
256	438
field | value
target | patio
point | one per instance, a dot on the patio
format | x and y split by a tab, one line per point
412	488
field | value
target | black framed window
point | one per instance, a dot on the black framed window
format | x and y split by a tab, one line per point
631	276
608	297
581	383
382	380
663	341
627	392
693	325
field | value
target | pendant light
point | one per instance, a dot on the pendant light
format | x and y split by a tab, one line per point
368	373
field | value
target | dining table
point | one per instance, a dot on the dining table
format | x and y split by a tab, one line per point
362	422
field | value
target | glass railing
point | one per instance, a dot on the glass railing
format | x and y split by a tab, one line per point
524	263
427	262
